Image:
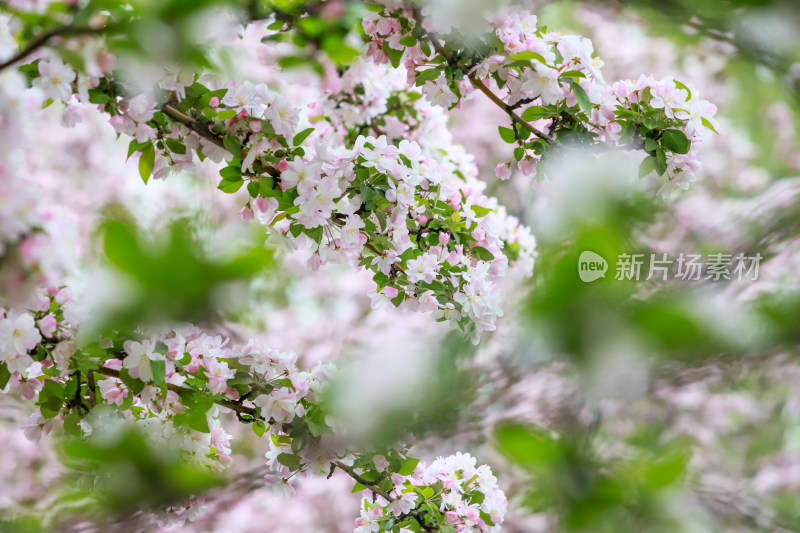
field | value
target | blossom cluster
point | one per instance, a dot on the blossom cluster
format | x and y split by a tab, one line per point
177	384
455	492
412	212
551	86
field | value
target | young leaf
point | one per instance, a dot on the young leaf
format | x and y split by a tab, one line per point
583	99
536	112
176	146
481	211
675	141
146	162
424	76
159	369
647	166
507	134
302	136
661	161
407	466
482	253
230	186
395	56
707	123
232	145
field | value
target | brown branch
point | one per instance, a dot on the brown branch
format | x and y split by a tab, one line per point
416	515
478	84
44	38
230	404
202	130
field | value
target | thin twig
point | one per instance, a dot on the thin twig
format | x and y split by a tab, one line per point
44	38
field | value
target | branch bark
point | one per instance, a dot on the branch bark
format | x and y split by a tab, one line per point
44	38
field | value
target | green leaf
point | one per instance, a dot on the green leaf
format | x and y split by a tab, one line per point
71	422
292	462
583	99
146	162
536	112
231	173
159	369
424	76
5	375
482	253
707	123
676	141
302	136
259	428
519	153
527	55
395	56
573	74
97	96
230	186
527	447
507	134
650	145
338	50
481	211
408	40
176	146
407	466
647	167
683	86
427	492
667	469
233	145
661	161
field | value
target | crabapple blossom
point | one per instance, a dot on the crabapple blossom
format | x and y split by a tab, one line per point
18	334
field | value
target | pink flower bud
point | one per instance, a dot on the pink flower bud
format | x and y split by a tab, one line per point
214	102
444	238
47	325
283	165
528	166
390	292
502	171
255	125
246	213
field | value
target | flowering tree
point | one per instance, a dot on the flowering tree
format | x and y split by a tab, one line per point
335	140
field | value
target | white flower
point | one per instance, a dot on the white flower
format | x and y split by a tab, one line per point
62	352
55	79
18	334
283	117
543	81
422	269
138	359
439	93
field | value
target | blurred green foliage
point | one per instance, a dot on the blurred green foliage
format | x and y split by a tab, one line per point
586	492
172	280
124	471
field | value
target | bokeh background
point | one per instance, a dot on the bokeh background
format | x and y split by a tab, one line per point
608	406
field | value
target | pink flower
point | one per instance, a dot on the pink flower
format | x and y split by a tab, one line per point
502	171
113	391
47	325
381	463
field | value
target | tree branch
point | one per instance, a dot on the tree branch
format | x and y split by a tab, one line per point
44	38
478	84
230	404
